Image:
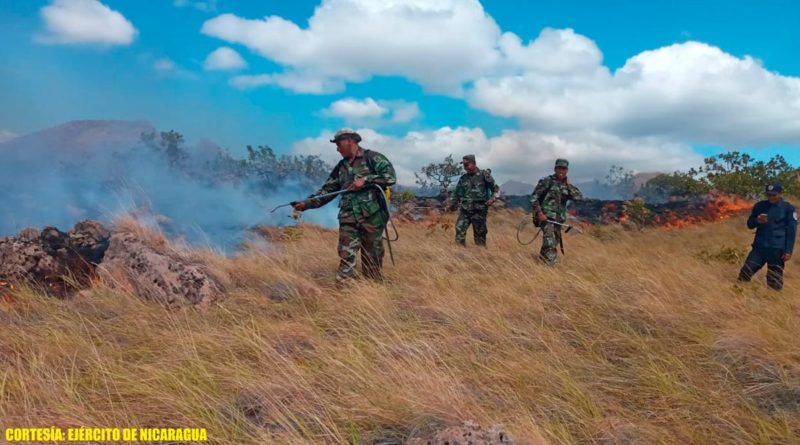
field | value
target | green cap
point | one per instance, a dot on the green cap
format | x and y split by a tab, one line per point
468	158
562	163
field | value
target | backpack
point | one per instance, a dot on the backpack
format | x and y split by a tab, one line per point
485	182
369	156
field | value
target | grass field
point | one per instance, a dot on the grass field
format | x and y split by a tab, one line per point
638	337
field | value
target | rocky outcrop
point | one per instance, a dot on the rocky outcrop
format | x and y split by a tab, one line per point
64	263
162	276
59	262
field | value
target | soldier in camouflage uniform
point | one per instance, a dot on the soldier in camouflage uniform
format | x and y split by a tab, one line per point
549	201
363	213
475	192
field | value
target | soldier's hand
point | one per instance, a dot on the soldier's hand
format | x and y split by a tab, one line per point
358	184
762	218
542	217
299	206
787	256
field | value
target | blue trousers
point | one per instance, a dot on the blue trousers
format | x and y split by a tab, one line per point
773	258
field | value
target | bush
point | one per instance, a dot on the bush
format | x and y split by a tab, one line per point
403	197
739	174
637	211
665	186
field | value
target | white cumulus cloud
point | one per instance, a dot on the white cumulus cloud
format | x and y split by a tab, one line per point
353	109
224	58
554	51
528	155
438	43
85	22
370	111
408	153
689	92
296	82
403	111
520	155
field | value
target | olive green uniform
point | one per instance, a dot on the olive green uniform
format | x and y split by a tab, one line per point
362	214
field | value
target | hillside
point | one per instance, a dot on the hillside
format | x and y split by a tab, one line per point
517	188
637	338
76	141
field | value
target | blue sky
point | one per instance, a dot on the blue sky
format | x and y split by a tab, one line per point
646	85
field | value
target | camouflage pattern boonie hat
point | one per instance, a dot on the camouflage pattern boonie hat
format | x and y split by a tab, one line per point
562	163
468	158
346	133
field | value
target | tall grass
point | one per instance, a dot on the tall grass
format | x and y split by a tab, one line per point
637	337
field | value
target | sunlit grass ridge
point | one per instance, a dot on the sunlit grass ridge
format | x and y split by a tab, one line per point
637	337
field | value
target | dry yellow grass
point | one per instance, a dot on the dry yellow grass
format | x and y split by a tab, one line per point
632	339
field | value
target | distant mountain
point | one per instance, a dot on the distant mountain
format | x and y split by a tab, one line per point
76	140
640	179
6	135
513	187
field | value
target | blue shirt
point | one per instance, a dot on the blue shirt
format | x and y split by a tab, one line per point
780	230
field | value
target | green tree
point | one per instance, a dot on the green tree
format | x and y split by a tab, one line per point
740	174
170	145
620	181
678	184
439	176
271	169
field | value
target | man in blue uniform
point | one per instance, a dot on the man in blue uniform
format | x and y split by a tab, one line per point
775	221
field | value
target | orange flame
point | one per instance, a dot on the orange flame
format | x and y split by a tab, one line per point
7	296
718	208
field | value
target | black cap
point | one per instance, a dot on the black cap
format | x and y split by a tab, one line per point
774	189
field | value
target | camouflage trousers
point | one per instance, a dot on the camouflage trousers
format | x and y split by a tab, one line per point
477	217
365	236
551	240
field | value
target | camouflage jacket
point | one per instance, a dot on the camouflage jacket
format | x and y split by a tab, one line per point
473	189
357	205
553	196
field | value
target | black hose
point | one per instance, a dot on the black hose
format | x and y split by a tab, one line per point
385	208
521	226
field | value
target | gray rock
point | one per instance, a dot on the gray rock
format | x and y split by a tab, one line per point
157	275
44	257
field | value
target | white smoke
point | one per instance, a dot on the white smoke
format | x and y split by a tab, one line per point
44	186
